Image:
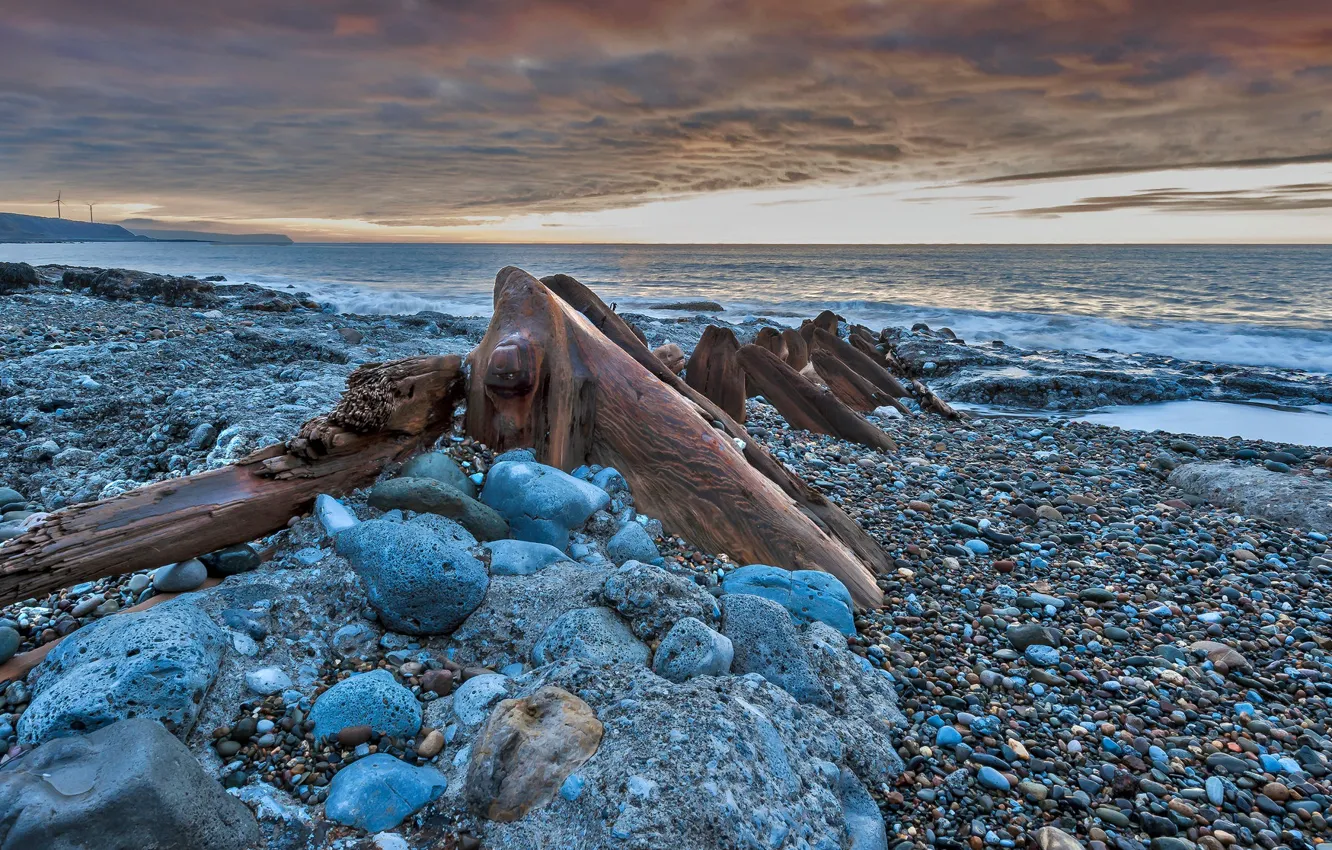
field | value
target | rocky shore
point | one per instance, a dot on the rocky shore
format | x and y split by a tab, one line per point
1092	637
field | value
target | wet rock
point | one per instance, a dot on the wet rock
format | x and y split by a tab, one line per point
692	649
379	792
372	699
595	635
526	751
157	663
765	642
439	466
1296	500
417	582
521	558
541	503
653	599
126	786
1031	634
808	595
425	495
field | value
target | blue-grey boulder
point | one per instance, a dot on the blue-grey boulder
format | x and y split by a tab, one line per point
766	642
610	480
632	543
653	599
439	467
865	829
9	643
232	561
808	595
373	699
515	456
692	649
418	582
425	495
541	503
590	634
157	664
180	578
127	786
379	792
521	558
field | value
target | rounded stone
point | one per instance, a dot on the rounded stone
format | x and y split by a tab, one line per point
180	578
373	699
521	558
692	649
9	643
473	698
267	680
379	792
632	543
417	582
439	466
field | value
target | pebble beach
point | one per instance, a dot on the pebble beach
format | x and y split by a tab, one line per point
1081	645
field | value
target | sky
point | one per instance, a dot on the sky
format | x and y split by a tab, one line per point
638	121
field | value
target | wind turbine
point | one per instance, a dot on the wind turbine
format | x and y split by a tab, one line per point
57	203
90	206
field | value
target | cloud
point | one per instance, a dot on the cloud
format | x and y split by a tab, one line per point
1299	197
438	110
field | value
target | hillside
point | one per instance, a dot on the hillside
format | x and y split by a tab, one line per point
31	228
223	238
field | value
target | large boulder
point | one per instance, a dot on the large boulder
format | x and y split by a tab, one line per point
17	276
653	599
517	611
808	595
127	786
1297	500
526	751
692	649
595	635
521	558
541	503
857	692
438	466
418	582
425	495
373	699
865	829
157	663
379	792
766	642
729	761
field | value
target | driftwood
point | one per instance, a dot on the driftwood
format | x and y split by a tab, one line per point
860	362
388	413
773	340
845	383
805	405
797	356
714	371
543	351
831	519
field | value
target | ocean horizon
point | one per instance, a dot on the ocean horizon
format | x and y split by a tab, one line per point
1259	305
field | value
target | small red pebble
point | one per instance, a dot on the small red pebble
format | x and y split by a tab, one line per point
1004	566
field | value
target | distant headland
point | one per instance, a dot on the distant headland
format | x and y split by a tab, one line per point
31	228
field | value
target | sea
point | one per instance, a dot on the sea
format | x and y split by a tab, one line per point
1249	305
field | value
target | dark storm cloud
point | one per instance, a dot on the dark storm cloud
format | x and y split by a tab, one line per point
425	110
1290	198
